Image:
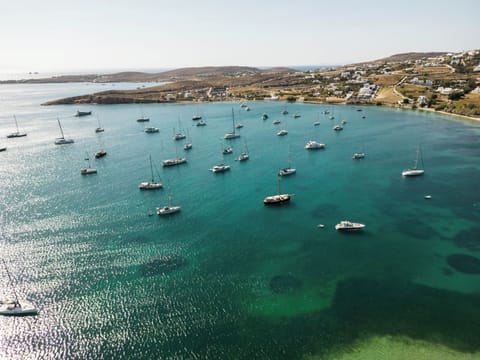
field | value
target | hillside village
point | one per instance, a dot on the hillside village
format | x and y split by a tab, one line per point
446	82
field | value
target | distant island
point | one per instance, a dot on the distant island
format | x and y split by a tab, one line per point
435	81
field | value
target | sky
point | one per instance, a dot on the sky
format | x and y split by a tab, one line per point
88	35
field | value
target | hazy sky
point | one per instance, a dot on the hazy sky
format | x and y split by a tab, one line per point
53	35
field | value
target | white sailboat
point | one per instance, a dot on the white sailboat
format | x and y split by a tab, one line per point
289	170
15	307
346	225
244	155
358	155
61	140
313	145
233	134
168	209
279	198
415	171
176	161
188	142
99	129
88	170
18	133
150	185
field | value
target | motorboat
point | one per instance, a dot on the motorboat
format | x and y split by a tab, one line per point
3	148
151	129
316	123
220	168
99	130
187	146
296	115
344	122
196	117
83	113
143	119
167	210
282	132
349	226
284	112
313	145
227	150
173	162
338	128
88	171
357	156
238	126
264	116
179	136
243	156
201	123
100	153
276	122
287	171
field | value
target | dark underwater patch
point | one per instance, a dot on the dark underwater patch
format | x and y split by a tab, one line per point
464	263
162	264
281	284
468	239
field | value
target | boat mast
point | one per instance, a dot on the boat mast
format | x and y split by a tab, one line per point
61	130
233	121
151	167
421	156
11	283
278	190
16	123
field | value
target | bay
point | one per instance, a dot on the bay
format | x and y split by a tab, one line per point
233	278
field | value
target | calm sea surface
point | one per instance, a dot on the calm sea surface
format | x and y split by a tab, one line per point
227	277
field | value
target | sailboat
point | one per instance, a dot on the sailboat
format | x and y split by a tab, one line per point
188	143
88	170
150	185
232	135
358	155
176	161
415	171
288	170
279	198
179	135
99	129
17	133
16	307
168	209
61	140
244	155
142	118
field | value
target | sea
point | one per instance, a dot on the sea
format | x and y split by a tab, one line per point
228	277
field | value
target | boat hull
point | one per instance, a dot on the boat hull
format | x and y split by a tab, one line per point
168	210
413	172
9	308
277	199
150	186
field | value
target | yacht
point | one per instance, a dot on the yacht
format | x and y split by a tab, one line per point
338	128
357	156
276	122
196	117
227	150
220	168
282	132
151	130
349	226
188	146
313	145
243	156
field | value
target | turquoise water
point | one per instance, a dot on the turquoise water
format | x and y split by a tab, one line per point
244	281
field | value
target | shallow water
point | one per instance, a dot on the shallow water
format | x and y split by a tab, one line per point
77	245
